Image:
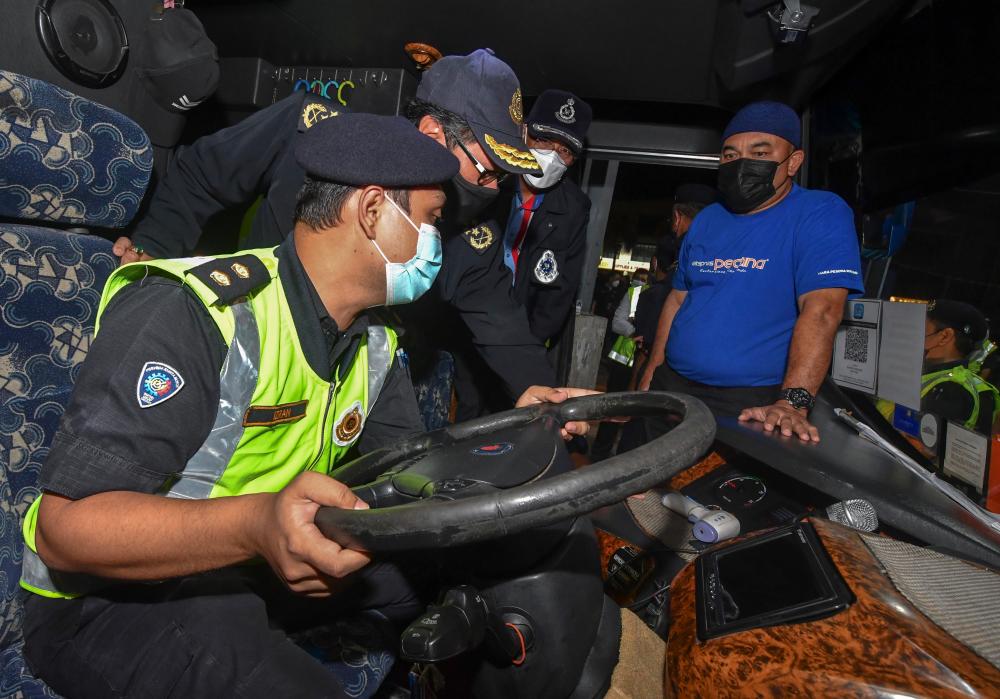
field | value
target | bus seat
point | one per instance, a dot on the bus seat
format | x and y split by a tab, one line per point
68	162
433	388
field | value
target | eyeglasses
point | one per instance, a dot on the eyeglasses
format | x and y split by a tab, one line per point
486	176
564	153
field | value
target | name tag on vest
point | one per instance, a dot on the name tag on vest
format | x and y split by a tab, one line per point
270	415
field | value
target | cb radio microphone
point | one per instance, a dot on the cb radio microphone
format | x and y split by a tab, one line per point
856	514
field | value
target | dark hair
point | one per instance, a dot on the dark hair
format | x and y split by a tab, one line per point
666	251
963	343
320	202
688	209
456	128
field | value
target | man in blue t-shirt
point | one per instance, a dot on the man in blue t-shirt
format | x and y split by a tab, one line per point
760	285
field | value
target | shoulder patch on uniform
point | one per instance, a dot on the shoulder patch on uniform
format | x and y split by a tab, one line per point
546	270
232	277
158	382
314	110
479	238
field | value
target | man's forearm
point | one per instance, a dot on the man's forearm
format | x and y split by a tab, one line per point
657	351
812	343
134	536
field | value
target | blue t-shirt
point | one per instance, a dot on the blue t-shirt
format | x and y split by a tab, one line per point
744	275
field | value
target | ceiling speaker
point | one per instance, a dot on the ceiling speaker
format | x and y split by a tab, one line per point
84	39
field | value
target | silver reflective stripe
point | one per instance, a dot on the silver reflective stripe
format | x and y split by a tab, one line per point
37	575
237	382
379	361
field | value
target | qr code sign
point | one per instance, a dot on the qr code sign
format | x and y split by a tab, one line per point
856	347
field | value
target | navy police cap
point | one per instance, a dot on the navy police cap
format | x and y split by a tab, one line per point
362	149
485	92
560	115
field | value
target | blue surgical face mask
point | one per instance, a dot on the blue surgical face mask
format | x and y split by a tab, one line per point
408	281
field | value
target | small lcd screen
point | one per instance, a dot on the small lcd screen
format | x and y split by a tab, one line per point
777	574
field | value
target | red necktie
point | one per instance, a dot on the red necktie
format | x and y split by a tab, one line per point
526	211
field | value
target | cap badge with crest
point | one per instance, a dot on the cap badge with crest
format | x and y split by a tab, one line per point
516	107
567	113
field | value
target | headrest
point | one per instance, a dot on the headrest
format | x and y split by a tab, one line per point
65	159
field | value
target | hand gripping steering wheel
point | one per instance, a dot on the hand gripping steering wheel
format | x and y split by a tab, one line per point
493	476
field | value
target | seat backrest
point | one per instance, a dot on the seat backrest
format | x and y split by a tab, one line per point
64	161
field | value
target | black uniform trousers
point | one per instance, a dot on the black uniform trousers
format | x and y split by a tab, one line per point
726	401
214	635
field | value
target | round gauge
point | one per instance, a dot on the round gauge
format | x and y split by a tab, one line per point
741	491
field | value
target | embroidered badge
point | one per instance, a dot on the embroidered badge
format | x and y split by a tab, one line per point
480	237
348	425
271	415
567	113
546	270
516	107
241	270
220	278
313	113
157	382
497	449
511	155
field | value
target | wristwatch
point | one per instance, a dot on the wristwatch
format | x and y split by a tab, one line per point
798	398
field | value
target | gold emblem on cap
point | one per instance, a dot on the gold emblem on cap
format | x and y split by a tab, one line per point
480	237
315	113
511	155
516	108
350	425
220	278
241	270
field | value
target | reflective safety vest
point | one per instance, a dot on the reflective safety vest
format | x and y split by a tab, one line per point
623	351
981	354
276	418
964	377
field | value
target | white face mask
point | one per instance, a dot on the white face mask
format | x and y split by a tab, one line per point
553	169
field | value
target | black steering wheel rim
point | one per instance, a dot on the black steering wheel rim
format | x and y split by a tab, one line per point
430	524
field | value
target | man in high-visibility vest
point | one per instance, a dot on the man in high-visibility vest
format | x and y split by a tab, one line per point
216	396
950	389
622	324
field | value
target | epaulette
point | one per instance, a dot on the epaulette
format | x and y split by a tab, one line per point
315	108
232	278
480	237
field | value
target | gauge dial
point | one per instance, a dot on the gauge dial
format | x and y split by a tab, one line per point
741	491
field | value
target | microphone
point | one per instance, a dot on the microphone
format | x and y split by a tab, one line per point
856	514
710	526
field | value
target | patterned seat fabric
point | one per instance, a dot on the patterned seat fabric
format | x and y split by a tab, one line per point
66	159
433	387
50	285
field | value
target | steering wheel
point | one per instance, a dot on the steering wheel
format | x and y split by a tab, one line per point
483	479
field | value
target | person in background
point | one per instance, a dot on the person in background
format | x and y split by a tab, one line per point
760	285
544	221
949	388
621	359
546	230
689	199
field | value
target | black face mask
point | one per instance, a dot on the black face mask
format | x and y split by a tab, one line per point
746	183
466	201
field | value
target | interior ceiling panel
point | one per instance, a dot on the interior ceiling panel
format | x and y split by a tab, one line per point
681	51
589	47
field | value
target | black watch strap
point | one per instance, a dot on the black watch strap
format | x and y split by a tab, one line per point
798	398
